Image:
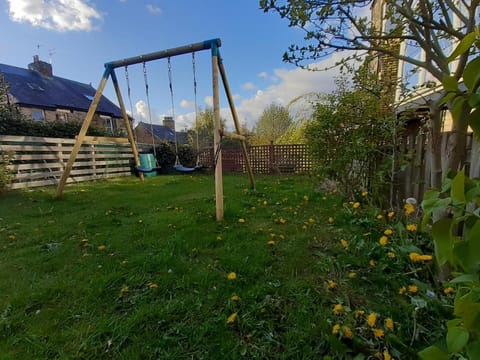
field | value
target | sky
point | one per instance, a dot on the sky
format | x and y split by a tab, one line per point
79	36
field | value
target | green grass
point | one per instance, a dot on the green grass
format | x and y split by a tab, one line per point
160	290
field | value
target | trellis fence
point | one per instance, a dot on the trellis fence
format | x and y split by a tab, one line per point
39	161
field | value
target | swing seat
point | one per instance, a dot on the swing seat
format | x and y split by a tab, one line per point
145	169
182	168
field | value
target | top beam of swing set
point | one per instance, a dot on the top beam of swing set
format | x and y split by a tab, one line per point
217	66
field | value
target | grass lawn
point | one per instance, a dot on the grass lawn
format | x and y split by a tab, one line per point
128	270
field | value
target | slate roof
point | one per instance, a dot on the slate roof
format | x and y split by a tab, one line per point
164	133
32	89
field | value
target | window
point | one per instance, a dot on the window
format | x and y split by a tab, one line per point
109	124
38	115
62	115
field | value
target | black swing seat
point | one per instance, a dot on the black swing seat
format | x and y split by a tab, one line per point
145	169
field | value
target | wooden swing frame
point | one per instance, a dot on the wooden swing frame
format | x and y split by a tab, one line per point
217	67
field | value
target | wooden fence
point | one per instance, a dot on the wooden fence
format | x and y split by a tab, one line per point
38	161
415	177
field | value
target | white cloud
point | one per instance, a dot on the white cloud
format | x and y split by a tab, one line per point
142	109
153	9
208	100
59	15
187	104
249	86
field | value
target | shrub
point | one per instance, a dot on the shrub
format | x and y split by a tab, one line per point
5	173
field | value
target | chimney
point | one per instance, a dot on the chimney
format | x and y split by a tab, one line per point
168	122
40	66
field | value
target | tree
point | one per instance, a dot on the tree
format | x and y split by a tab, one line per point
434	26
273	123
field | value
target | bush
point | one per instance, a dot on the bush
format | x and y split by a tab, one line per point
5	173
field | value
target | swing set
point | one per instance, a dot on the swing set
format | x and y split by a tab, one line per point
217	67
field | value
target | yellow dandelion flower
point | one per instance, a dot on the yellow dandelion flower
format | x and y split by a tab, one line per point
409	208
338	309
265	203
344	243
378	333
359	314
241	220
332	284
235	298
11	237
449	290
379	217
412	227
402	290
283	221
331	220
391	214
85	255
372	319
152	285
84	241
386	355
304	227
232	276
271	243
426	257
102	248
311	220
281	236
356	205
305	197
388	232
415	257
412	289
391	255
383	240
364	193
352	275
372	263
231	319
219	238
389	324
347	332
124	289
335	329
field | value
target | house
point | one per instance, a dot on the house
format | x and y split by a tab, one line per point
150	133
42	96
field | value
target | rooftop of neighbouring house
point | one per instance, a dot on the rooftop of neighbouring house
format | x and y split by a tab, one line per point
38	87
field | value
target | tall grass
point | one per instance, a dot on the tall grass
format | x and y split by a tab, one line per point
129	270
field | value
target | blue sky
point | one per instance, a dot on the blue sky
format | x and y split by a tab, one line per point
79	36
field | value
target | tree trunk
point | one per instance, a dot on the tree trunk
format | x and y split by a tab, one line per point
435	129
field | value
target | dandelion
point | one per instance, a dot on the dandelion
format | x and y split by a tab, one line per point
388	232
219	238
416	257
391	214
85	255
412	227
352	275
84	242
311	221
391	255
241	220
409	208
372	263
305	197
347	332
152	285
449	290
402	290
271	243
282	221
365	193
232	276
372	319
102	248
331	284
331	220
356	205
235	298
383	240
378	333
359	314
11	237
281	236
231	319
140	221
335	329
389	324
124	290
426	257
338	309
344	243
265	203
379	217
412	289
386	355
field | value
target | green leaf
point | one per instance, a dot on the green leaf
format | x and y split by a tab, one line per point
473	350
474	122
462	46
450	84
471	75
449	96
443	239
433	353
458	188
457	338
457	107
474	100
465	278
